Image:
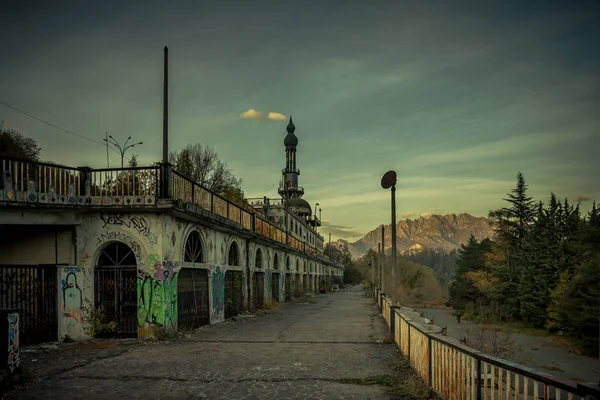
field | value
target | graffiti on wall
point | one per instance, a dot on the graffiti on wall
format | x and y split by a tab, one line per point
85	258
157	292
218	290
138	223
122	237
13	342
72	296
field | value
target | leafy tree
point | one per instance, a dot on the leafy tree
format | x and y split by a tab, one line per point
338	253
15	145
202	164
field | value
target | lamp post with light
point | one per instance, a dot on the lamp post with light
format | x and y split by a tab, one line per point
122	149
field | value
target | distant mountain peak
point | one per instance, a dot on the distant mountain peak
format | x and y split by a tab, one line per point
440	232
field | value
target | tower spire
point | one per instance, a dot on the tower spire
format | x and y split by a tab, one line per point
289	188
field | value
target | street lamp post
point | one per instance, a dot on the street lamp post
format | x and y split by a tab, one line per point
122	149
389	181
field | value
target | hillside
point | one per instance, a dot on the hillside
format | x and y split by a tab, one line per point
438	232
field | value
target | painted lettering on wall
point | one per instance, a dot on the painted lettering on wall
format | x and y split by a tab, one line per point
120	236
72	296
14	360
138	223
157	302
218	291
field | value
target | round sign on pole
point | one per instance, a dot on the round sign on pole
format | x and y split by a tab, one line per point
388	180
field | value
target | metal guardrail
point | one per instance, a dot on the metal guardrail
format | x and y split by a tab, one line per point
455	371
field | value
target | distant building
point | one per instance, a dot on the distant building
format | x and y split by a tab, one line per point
147	248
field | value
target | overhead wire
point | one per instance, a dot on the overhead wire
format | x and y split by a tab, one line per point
111	146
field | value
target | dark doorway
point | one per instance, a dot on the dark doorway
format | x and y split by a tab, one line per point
305	283
233	293
275	287
192	295
258	289
116	291
288	286
31	290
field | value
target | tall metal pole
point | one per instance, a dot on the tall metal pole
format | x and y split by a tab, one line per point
394	283
373	273
383	282
107	160
379	265
165	157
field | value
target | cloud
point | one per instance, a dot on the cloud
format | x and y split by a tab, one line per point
275	116
340	231
408	215
580	198
252	114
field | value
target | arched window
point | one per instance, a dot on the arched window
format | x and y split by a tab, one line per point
117	254
275	261
287	263
233	257
258	259
193	248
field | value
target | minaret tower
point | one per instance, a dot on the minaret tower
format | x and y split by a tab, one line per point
289	188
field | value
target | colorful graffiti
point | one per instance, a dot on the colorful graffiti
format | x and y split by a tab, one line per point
14	360
85	258
122	237
157	302
72	296
218	291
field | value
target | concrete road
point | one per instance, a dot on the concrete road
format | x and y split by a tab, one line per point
304	351
533	351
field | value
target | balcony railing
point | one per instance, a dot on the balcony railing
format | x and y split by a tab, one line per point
35	182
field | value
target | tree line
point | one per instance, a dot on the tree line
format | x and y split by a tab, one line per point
542	268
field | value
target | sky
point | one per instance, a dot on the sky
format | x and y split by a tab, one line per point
456	97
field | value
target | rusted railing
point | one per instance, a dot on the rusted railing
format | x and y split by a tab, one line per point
136	181
26	181
455	371
33	177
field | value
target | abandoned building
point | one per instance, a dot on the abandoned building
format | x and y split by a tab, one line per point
126	251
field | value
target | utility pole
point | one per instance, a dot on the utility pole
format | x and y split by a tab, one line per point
166	110
383	282
379	278
373	272
107	159
389	181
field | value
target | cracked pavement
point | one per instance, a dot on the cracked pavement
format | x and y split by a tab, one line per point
304	351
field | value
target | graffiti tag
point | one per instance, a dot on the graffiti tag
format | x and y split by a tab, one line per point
137	223
13	342
218	279
72	296
110	236
157	303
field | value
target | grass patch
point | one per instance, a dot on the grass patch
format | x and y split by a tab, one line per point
404	382
272	305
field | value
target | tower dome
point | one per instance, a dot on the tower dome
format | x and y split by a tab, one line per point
291	139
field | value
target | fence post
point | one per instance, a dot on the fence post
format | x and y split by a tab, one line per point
165	181
408	343
478	380
429	343
393	323
85	176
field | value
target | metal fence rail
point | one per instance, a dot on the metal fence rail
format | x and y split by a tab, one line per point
455	371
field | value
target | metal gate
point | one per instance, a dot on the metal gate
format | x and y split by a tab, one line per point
275	287
32	290
233	293
258	289
192	295
116	295
288	286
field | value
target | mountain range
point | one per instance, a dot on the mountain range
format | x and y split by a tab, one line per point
437	232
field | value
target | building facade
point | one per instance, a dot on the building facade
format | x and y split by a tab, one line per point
129	251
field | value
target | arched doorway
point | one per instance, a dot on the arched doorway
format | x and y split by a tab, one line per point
192	287
116	290
275	277
258	281
233	283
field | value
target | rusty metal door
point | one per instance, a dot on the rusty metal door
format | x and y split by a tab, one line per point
233	293
32	290
116	296
275	287
258	289
192	295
